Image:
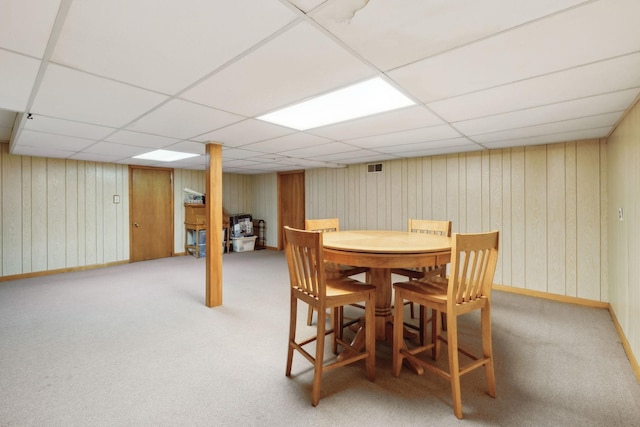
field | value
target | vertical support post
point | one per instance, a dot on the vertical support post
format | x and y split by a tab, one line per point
213	294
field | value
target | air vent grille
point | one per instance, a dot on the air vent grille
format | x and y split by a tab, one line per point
374	168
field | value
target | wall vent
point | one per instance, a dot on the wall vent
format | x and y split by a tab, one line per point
374	168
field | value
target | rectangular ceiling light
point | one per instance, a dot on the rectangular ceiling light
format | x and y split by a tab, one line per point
165	155
360	100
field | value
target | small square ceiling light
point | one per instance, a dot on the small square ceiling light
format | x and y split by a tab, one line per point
165	156
362	99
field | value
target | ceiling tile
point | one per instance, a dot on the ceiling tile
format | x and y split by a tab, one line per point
432	133
306	5
584	123
453	149
287	143
393	121
100	158
188	147
41	151
73	95
61	142
242	154
246	132
589	80
198	163
322	149
355	154
119	150
163	46
577	37
425	146
394	33
552	138
183	120
25	25
379	157
17	76
583	107
140	139
269	77
67	127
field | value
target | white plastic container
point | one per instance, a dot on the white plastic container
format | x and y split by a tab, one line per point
243	244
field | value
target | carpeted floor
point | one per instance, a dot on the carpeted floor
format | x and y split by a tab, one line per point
134	345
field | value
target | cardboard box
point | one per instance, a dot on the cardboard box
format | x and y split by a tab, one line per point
243	244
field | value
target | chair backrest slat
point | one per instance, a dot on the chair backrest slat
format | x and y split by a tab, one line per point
440	228
329	224
473	263
305	259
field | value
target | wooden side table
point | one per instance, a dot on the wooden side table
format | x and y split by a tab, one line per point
195	224
196	229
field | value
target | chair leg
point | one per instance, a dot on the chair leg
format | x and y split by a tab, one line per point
398	323
413	314
310	316
370	338
318	362
423	320
293	313
336	321
487	350
454	366
436	329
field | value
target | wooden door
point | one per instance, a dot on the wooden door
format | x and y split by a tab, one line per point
290	202
151	214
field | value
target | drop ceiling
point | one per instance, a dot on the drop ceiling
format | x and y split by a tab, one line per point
107	80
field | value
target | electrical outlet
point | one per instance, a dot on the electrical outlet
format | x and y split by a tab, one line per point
620	214
116	199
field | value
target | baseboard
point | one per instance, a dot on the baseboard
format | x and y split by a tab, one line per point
60	270
625	345
584	302
553	297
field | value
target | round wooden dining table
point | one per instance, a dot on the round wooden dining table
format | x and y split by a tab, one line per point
382	251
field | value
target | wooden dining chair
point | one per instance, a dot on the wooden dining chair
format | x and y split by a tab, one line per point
333	270
309	283
438	228
468	288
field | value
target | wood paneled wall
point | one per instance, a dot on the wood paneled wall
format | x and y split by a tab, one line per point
265	205
547	201
59	214
49	204
623	155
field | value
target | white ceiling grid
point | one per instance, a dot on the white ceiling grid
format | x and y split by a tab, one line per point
107	80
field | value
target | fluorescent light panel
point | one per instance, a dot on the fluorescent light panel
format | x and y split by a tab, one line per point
165	155
360	100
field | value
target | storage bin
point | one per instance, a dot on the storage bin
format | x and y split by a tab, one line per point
241	225
243	244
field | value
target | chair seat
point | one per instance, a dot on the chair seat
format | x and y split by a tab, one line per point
435	287
342	289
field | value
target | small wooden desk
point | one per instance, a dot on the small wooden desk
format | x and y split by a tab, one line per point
381	251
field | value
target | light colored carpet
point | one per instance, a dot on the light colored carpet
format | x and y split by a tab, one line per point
134	345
